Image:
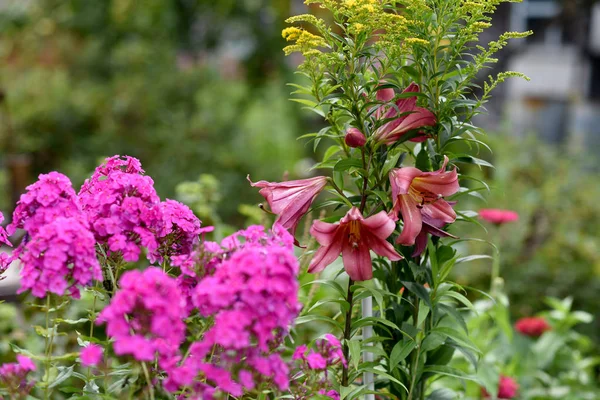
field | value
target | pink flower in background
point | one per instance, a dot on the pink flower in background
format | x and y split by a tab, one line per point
52	196
332	394
418	196
290	200
532	326
406	115
498	216
13	377
91	355
353	236
60	256
354	138
507	388
5	258
145	316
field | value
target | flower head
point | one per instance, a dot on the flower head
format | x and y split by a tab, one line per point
91	355
405	115
507	388
290	200
179	231
145	317
123	208
60	256
498	216
418	196
532	326
354	138
5	258
353	236
13	377
252	295
52	196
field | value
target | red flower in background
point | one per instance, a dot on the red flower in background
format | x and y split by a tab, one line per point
532	326
498	216
507	388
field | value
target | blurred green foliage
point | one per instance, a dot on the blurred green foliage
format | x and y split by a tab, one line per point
552	250
187	86
557	365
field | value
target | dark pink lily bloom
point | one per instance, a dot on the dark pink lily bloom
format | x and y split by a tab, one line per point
407	116
290	200
418	196
353	236
498	216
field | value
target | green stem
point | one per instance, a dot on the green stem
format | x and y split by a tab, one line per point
347	331
416	355
147	375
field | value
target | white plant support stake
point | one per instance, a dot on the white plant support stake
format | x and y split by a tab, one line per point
367	333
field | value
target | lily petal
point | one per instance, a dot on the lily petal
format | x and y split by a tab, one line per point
357	261
324	232
325	255
411	215
380	225
441	210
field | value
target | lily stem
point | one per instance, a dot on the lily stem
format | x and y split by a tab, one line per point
347	331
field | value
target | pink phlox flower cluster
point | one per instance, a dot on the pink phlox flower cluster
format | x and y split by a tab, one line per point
5	258
332	394
311	372
58	258
253	297
123	207
145	317
52	196
179	231
91	355
327	352
13	376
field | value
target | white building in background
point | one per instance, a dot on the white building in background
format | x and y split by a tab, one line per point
561	103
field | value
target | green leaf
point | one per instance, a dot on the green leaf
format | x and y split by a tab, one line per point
472	258
347	163
462	299
310	318
442	394
452	372
432	342
354	348
332	284
458	337
64	373
400	351
384	374
418	290
331	151
472	160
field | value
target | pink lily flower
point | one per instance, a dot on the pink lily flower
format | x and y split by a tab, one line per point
418	196
430	227
290	200
406	113
353	236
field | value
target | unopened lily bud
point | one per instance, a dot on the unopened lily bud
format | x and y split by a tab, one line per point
355	138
